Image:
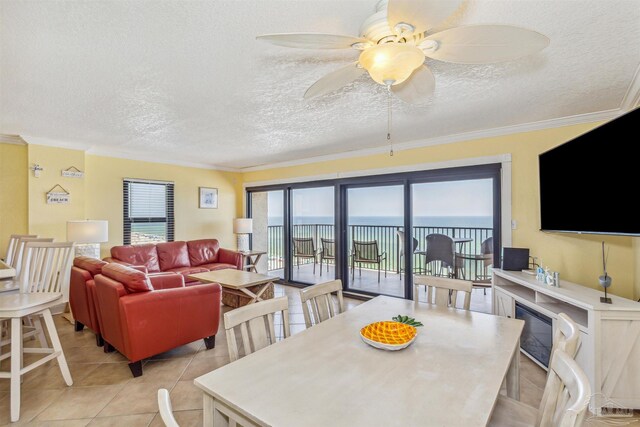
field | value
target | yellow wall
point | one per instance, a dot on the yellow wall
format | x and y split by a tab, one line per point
13	192
636	243
50	220
577	257
104	197
99	194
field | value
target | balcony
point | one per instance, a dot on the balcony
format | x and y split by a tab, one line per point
366	278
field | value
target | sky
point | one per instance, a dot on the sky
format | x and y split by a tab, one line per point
450	198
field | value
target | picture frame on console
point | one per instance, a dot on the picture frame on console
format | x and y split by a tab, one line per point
208	198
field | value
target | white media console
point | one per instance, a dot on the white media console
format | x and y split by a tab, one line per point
610	333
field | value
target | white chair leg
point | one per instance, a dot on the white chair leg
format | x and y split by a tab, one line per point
16	362
55	341
42	338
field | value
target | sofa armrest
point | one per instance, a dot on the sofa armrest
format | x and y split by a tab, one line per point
166	280
157	321
228	256
140	268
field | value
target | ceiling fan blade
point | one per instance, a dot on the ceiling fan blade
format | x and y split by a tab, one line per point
422	14
334	80
483	44
418	88
312	40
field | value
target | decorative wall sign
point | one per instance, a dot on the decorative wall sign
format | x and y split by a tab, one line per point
58	197
72	172
208	198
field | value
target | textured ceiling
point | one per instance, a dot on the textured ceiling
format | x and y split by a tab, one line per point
187	81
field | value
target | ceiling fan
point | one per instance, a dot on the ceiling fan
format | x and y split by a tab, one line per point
395	41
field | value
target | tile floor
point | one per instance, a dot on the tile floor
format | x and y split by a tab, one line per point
105	394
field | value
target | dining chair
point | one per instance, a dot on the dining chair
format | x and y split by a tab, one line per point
44	283
305	248
414	250
440	248
321	301
564	403
443	290
328	252
367	252
13	245
481	262
256	322
166	411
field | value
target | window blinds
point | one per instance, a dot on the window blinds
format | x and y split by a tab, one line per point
148	214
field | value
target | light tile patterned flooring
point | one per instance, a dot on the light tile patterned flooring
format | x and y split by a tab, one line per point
105	394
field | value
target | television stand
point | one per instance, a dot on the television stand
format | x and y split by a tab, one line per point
610	333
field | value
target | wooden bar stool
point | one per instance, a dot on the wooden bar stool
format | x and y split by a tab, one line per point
44	284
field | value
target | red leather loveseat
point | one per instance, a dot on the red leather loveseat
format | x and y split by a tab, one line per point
140	321
194	256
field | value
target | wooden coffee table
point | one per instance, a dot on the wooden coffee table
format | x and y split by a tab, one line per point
237	280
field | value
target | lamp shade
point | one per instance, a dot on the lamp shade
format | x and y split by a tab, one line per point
243	225
391	63
88	231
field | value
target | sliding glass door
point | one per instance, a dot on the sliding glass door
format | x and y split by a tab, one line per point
375	214
375	232
312	246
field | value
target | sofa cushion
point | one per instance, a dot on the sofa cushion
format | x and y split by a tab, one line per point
92	265
172	255
217	266
132	280
186	271
146	255
204	251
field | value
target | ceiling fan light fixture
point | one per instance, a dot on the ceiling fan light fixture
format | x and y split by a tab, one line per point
391	63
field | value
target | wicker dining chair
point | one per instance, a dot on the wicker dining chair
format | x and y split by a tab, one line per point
328	252
440	248
367	252
482	262
305	248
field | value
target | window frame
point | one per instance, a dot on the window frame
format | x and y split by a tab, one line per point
169	219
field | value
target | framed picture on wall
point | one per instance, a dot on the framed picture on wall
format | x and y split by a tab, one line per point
208	198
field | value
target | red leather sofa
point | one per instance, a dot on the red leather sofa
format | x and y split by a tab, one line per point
194	256
82	294
140	321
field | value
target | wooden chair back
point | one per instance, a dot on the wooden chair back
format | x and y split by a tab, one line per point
444	291
319	298
366	251
21	249
566	393
166	411
304	247
13	246
256	322
47	267
566	336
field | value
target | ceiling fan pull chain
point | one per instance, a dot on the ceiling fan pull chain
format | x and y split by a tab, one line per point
389	121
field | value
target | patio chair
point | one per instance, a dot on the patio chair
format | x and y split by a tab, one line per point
482	263
367	253
414	250
440	248
328	252
305	248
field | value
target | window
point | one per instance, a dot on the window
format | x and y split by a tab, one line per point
147	211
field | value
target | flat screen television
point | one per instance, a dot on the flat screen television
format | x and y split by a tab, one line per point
591	183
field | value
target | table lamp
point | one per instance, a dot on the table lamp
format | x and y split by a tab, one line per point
88	234
243	227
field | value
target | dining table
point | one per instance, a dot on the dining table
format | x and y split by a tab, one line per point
327	375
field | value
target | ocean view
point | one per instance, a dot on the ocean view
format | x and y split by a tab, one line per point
419	221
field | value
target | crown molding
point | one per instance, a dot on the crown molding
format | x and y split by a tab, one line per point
631	99
11	139
122	154
449	139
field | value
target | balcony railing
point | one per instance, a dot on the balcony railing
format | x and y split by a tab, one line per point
388	242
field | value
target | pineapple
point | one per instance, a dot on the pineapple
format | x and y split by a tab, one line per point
406	320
